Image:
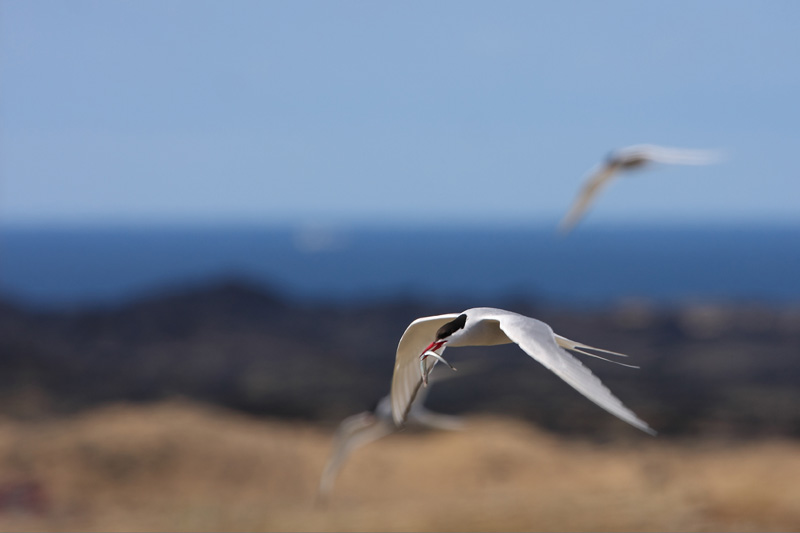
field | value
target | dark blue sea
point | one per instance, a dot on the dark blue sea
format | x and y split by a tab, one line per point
56	268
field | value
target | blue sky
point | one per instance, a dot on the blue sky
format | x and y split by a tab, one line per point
397	112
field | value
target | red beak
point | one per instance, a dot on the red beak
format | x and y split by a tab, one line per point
430	351
432	347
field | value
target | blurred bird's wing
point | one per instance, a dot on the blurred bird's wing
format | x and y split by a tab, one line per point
538	340
407	379
354	431
598	178
675	156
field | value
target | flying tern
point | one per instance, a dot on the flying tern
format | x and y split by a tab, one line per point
425	339
363	428
626	159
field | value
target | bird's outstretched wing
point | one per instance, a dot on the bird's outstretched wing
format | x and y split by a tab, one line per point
668	155
407	379
598	177
354	431
538	340
361	429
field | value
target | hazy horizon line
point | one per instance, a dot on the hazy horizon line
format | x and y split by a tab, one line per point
390	223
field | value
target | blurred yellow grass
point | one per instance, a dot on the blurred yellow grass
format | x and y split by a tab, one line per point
185	467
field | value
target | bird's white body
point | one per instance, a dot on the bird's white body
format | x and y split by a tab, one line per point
486	326
626	159
366	427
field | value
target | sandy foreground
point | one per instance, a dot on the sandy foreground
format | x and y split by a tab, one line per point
180	466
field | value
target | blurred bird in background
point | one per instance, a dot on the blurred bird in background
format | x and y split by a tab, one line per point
627	159
368	426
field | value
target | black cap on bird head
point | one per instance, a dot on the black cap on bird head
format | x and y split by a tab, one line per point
451	327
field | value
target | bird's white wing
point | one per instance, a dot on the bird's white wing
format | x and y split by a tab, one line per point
407	379
596	180
537	339
678	156
354	431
